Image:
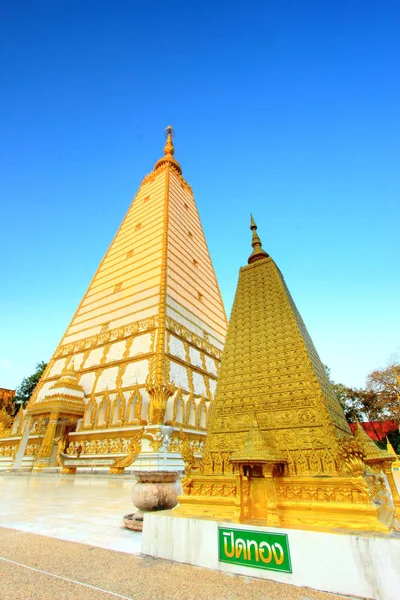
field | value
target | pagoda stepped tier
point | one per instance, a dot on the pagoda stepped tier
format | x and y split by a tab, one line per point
279	450
144	346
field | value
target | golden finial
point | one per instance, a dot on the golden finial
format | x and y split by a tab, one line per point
169	146
258	252
169	152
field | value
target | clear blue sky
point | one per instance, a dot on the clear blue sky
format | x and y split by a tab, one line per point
289	110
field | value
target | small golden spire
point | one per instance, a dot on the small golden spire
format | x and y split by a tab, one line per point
389	447
258	252
169	146
169	152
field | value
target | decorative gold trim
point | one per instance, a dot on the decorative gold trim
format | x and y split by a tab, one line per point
107	314
160	370
186	335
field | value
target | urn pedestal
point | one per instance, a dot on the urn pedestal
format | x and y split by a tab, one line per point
153	491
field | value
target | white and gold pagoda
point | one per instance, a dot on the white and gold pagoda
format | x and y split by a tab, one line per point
144	346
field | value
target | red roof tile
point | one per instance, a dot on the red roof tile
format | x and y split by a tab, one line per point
377	430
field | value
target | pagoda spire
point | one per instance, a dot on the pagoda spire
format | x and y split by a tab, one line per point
169	149
258	252
169	152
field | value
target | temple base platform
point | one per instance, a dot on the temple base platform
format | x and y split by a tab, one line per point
350	563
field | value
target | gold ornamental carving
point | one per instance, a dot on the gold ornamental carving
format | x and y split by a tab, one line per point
134	447
156	440
8	448
48	440
107	445
159	394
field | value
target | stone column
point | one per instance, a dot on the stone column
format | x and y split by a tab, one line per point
44	454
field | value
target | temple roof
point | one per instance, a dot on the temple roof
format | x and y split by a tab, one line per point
66	395
373	453
256	449
377	430
68	382
391	450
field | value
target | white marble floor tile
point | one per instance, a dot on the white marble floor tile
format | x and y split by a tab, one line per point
78	509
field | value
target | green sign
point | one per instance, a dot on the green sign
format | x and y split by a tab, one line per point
258	549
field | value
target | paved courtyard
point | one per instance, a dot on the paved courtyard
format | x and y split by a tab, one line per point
106	563
79	509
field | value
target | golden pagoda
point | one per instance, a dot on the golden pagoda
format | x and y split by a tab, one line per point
144	346
279	450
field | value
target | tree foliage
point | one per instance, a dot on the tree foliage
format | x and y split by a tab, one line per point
378	401
386	384
361	404
27	386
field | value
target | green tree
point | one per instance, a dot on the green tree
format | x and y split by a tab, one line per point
379	401
359	403
27	386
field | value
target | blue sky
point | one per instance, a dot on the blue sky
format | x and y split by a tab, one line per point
286	109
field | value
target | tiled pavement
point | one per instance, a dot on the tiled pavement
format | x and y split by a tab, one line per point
79	509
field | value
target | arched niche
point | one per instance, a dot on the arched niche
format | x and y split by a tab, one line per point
103	411
202	415
178	409
191	412
118	410
90	410
134	409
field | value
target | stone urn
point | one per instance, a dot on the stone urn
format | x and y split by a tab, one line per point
153	490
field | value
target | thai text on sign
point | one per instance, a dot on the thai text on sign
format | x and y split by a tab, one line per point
259	549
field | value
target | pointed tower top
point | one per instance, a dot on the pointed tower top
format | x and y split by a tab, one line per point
390	448
169	146
169	152
258	252
393	452
68	379
373	453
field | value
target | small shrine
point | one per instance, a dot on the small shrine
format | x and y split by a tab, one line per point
59	412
